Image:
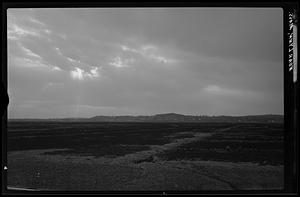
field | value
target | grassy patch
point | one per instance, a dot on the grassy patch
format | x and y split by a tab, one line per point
260	143
254	142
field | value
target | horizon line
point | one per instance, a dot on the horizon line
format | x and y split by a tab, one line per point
149	115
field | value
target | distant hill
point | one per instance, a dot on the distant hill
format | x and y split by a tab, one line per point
171	117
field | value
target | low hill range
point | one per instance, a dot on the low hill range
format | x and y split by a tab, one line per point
170	117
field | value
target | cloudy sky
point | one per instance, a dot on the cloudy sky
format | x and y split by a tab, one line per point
197	61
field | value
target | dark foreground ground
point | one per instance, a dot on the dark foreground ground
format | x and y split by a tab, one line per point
145	156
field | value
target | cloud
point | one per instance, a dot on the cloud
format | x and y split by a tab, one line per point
37	21
56	68
118	63
221	91
161	59
150	52
19	27
15	32
77	74
191	61
125	48
80	74
29	59
30	53
29	63
94	72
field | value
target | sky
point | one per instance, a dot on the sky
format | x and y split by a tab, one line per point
83	62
